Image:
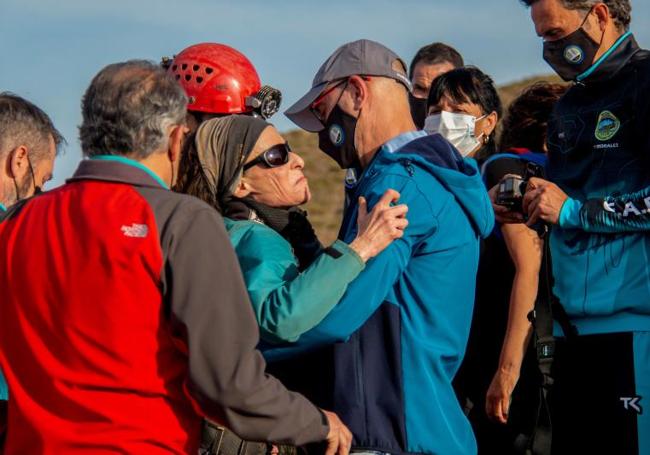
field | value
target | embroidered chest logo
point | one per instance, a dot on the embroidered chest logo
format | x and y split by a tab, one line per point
607	126
136	230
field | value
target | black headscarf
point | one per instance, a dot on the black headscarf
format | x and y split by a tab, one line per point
223	145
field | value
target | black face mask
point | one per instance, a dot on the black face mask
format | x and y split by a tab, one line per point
572	55
418	110
337	138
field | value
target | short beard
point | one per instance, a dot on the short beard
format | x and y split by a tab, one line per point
24	189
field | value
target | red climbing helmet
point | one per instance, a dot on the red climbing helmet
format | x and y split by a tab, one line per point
221	80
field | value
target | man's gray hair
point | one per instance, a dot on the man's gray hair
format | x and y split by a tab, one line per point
128	109
24	123
619	10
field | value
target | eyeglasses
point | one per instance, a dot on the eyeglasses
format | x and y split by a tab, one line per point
322	96
276	156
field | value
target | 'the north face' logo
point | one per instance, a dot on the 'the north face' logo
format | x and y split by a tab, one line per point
607	126
135	230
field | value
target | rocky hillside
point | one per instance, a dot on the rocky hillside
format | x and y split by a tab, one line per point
326	179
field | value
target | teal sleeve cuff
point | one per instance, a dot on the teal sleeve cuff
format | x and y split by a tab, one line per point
344	248
4	392
570	214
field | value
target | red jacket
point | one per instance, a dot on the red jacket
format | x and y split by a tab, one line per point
125	318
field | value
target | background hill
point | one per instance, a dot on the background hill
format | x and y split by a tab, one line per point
326	179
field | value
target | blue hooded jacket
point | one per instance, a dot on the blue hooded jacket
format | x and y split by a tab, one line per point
402	326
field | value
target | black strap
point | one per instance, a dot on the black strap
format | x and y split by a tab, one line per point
547	309
218	440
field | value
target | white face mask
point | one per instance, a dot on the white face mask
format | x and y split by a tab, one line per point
458	129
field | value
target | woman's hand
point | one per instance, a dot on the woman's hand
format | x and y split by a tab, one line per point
499	395
377	229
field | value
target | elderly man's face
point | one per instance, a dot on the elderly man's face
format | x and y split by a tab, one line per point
283	186
424	74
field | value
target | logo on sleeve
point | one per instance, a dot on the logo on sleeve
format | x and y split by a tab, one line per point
607	126
139	231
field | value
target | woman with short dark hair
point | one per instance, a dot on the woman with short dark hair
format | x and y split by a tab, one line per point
465	108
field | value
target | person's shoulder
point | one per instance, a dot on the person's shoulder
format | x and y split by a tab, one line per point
641	64
641	59
252	228
173	206
253	236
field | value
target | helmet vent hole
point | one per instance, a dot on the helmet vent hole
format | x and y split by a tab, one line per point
184	66
188	77
199	79
196	67
209	70
174	67
178	76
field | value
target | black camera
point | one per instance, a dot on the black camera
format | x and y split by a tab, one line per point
513	188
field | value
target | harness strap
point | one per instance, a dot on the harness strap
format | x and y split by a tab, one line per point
547	308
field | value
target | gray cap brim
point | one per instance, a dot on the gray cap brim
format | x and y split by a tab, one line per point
301	114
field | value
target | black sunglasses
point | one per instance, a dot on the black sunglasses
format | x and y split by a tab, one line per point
275	156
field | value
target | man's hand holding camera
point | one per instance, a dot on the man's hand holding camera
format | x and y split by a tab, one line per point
541	201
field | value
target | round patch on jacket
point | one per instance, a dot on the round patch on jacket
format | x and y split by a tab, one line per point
607	126
574	54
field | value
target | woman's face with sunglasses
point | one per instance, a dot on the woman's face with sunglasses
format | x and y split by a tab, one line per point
273	174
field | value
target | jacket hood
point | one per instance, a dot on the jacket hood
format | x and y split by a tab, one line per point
460	176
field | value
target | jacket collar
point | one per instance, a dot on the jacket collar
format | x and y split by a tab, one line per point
110	168
400	141
611	62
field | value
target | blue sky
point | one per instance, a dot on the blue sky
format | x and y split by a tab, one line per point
50	49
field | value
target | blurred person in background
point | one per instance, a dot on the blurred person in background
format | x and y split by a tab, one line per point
28	146
429	62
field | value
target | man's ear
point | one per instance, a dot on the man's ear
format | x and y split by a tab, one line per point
242	189
176	142
359	91
18	164
601	11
